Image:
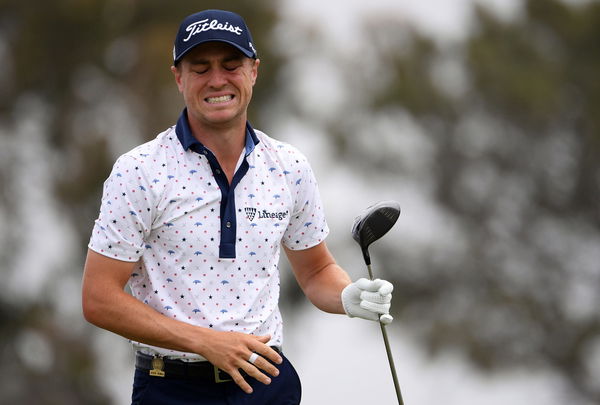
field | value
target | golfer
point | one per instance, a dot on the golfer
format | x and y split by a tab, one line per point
193	222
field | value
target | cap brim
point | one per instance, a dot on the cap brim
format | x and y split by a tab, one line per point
246	52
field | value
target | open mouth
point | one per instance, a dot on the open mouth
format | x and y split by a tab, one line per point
218	100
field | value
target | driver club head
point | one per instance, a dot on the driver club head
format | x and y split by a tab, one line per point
375	222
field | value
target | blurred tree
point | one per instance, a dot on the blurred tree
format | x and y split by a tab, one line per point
507	121
515	165
85	81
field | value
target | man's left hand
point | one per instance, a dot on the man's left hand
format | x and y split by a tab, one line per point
368	299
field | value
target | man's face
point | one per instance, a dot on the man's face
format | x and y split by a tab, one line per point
216	82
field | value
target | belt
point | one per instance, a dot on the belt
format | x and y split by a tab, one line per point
161	367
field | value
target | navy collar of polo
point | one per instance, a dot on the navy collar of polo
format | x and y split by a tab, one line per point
187	139
227	209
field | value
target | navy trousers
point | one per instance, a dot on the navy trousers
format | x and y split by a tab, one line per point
285	389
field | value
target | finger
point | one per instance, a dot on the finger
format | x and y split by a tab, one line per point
255	373
364	314
375	297
263	364
376	308
269	353
382	286
367	285
385	287
266	351
263	338
240	381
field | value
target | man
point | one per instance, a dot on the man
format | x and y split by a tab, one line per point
193	221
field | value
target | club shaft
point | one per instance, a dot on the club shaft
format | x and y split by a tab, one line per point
388	350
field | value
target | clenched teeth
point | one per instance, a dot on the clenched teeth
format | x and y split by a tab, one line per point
220	99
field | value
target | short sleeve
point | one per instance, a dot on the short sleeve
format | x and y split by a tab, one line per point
126	212
307	226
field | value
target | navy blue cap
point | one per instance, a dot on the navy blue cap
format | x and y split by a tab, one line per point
209	26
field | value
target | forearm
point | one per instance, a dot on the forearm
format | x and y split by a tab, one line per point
324	288
319	276
124	315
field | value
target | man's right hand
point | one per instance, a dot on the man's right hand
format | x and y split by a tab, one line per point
231	351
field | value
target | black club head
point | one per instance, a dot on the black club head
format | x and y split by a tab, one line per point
375	222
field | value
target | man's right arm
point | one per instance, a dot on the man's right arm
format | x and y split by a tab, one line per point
106	305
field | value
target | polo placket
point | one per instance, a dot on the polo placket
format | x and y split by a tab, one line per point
227	208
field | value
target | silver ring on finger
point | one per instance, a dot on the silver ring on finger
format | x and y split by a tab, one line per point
253	358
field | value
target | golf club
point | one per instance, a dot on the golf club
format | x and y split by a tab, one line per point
375	222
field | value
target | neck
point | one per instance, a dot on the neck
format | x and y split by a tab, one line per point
225	142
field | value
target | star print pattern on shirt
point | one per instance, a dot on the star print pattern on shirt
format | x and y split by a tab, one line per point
161	209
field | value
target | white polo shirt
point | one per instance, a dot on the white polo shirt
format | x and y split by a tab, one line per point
207	252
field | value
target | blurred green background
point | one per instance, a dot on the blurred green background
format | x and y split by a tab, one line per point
490	140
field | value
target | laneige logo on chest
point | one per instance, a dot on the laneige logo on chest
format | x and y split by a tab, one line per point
252	213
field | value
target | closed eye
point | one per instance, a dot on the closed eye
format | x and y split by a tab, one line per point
231	65
199	68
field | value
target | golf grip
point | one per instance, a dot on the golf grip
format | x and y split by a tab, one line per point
388	351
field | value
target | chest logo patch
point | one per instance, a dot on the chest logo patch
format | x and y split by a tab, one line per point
252	213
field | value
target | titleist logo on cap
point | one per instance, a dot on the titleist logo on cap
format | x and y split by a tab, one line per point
205	25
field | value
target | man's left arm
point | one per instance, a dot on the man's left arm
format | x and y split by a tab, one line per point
330	288
319	277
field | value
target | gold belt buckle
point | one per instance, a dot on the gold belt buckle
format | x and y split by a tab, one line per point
158	367
218	378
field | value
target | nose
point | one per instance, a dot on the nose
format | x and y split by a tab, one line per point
217	78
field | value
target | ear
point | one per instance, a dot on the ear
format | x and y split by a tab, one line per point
255	71
178	77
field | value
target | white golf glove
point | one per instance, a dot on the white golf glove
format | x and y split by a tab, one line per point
368	299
